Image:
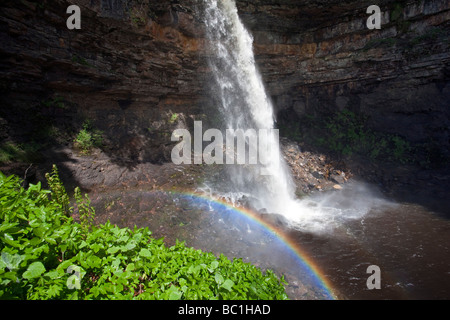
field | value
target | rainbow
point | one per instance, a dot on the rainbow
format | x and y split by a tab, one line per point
294	248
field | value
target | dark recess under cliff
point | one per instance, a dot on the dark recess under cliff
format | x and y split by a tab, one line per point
137	70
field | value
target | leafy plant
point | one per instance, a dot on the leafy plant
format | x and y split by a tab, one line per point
84	140
173	118
346	133
59	193
396	12
45	254
88	138
85	210
57	102
400	148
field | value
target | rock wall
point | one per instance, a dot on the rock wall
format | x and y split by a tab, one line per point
137	68
318	57
133	70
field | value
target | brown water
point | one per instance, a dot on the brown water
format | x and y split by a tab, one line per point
410	243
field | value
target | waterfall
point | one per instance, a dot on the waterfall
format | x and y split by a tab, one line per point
244	104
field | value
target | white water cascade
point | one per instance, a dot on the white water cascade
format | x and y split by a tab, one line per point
244	105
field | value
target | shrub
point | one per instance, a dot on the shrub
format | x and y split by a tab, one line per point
88	138
84	141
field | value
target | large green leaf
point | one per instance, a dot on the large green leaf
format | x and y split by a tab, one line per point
94	261
174	293
228	285
8	239
145	253
219	278
34	270
113	250
11	261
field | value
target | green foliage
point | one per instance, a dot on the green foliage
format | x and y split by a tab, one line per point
85	210
45	254
59	193
397	12
57	102
173	118
9	151
139	12
398	18
346	134
84	141
88	138
12	152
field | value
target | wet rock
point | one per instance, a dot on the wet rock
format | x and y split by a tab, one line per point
338	178
317	175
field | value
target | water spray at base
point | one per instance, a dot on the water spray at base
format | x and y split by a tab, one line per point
244	104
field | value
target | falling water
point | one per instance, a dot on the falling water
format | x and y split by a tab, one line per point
245	105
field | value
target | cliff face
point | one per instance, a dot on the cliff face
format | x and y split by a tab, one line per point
132	67
318	57
138	69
